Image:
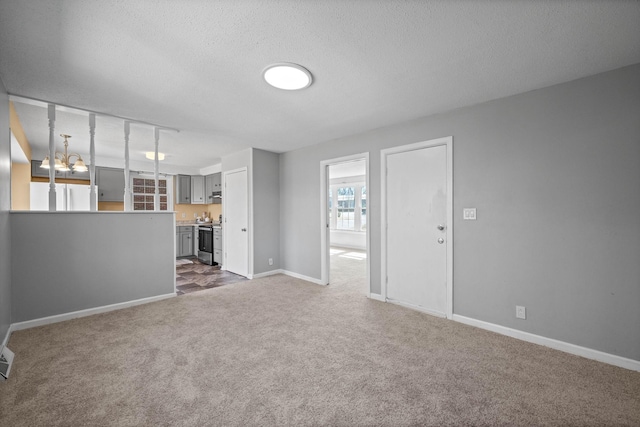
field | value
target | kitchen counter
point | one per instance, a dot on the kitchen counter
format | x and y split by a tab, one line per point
195	224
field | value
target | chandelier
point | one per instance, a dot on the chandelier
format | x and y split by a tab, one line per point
62	160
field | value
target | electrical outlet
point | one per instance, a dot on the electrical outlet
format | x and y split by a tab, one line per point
195	215
184	215
469	214
270	261
521	312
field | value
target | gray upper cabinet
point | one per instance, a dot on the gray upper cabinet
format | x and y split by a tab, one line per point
36	170
208	189
183	189
110	184
213	188
197	190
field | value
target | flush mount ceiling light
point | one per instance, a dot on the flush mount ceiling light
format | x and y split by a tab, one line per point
287	76
152	156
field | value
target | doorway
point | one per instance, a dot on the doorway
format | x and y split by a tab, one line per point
417	226
344	223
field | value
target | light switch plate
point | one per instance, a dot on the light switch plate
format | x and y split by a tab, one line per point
469	214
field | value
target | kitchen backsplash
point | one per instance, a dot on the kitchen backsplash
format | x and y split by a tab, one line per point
213	210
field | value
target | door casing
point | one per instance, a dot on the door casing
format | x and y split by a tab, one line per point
448	142
248	226
324	229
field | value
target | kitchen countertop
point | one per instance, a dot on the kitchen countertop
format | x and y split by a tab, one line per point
195	224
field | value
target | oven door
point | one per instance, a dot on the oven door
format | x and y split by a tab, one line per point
205	239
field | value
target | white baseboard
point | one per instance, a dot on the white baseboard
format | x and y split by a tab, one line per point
376	297
588	353
5	340
83	313
303	277
267	273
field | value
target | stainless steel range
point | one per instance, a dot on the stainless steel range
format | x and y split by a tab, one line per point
205	244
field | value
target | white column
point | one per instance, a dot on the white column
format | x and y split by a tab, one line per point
127	181
52	158
93	197
357	209
334	208
156	197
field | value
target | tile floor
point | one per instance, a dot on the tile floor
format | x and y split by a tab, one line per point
196	276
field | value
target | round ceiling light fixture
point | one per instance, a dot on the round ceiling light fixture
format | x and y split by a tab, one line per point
151	155
287	76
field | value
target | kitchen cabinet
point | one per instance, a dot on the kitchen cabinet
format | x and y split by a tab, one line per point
208	188
111	183
217	245
36	170
183	189
196	240
197	190
184	241
213	188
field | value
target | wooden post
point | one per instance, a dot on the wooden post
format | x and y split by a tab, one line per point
52	158
93	197
156	197
127	186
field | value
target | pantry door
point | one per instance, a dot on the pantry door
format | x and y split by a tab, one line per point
417	226
236	222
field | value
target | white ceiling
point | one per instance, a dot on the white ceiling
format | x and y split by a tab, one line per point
196	65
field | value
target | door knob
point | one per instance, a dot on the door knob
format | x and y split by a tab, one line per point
441	240
440	227
244	229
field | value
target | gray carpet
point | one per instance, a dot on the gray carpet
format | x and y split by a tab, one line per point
281	351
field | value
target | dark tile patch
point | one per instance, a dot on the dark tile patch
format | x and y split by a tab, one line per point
197	276
188	273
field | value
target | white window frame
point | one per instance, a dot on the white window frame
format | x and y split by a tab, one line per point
357	182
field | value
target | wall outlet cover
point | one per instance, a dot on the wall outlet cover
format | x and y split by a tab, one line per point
521	312
469	214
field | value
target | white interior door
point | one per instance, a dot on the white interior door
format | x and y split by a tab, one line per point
236	235
416	213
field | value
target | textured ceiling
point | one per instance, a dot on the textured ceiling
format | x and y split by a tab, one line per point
196	65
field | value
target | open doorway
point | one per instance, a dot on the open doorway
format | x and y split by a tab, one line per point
345	236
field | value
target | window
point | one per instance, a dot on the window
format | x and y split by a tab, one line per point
144	191
348	207
363	211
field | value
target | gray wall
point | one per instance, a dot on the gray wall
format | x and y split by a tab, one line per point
241	159
68	261
5	224
263	182
554	175
266	211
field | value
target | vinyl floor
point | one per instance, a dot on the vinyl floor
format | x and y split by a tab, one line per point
195	276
